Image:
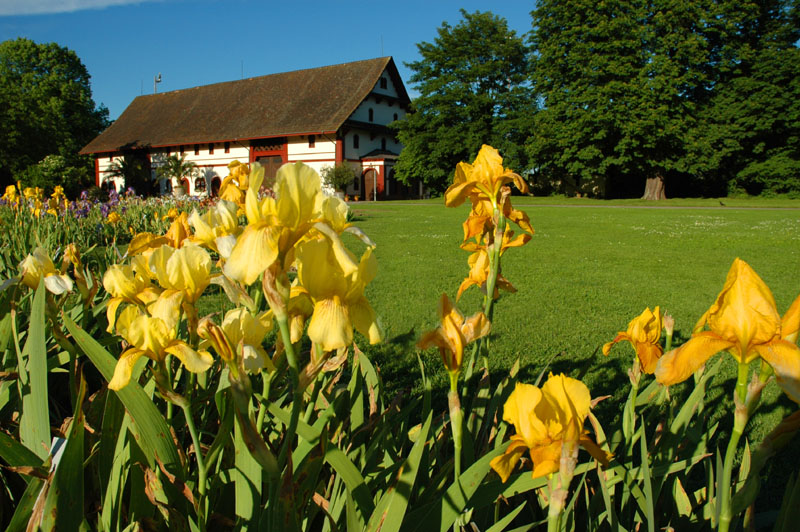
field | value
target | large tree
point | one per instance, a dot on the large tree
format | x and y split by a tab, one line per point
620	82
702	96
46	107
473	90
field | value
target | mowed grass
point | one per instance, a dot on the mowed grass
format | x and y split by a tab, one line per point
586	273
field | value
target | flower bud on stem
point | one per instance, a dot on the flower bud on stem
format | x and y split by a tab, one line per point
559	485
456	420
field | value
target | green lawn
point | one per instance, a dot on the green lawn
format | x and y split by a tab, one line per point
588	270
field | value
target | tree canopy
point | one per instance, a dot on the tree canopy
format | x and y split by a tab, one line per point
473	90
702	98
46	107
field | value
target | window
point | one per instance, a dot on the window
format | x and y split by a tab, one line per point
395	116
211	148
200	184
355	141
181	149
383	143
371	115
312	140
383	83
227	147
169	151
197	149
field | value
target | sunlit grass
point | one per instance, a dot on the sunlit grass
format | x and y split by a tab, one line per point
584	275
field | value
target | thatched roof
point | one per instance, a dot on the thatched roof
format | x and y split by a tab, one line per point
317	100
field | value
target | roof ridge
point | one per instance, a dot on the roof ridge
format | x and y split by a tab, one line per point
253	78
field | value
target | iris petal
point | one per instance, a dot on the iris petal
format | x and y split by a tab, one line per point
124	368
330	325
679	364
784	358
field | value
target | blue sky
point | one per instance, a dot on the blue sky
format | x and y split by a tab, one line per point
125	43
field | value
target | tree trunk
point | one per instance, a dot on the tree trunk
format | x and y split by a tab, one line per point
654	188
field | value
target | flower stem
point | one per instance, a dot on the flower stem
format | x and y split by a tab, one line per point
739	421
456	420
297	403
201	467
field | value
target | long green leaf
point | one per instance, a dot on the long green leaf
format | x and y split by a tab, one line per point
34	424
15	454
154	435
63	508
648	485
505	521
22	513
246	478
443	511
352	478
391	509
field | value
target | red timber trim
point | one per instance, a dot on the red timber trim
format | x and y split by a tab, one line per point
339	151
97	170
283	152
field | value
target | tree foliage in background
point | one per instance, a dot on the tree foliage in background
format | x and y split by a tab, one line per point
698	98
46	108
753	122
621	82
134	169
473	90
702	95
338	176
176	169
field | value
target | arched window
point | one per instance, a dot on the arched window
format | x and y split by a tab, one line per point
200	184
355	141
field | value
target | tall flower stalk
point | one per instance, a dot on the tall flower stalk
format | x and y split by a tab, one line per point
743	321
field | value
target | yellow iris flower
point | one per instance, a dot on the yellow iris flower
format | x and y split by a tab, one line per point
481	218
217	228
178	231
545	420
482	180
335	282
187	270
128	283
113	217
38	264
10	194
743	321
154	334
171	214
454	333
275	225
644	334
479	263
239	338
235	186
